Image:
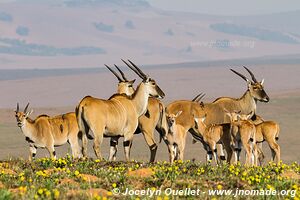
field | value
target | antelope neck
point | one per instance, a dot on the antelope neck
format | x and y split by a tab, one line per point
247	101
27	128
140	99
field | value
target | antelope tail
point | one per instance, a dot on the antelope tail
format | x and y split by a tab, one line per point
82	124
277	133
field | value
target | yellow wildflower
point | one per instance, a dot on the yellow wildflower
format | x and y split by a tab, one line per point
40	191
56	193
219	187
76	173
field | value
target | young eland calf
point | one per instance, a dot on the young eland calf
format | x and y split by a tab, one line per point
175	137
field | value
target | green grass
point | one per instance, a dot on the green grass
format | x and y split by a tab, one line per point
66	178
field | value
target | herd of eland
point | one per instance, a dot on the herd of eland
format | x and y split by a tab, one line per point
224	125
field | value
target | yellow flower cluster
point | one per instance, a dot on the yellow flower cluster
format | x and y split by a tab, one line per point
117	169
22	190
42	192
22	176
200	171
76	173
42	173
61	162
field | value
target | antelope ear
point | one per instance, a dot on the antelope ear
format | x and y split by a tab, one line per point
262	81
249	83
178	113
146	79
132	81
203	118
237	112
202	104
196	119
229	115
29	113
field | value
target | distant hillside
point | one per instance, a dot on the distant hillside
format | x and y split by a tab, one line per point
89	33
21	74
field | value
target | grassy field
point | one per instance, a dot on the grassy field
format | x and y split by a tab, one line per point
65	178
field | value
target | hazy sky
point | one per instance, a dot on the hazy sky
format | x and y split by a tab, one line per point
228	7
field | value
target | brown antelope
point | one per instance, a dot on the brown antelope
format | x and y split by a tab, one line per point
189	111
117	116
175	138
212	135
154	118
47	132
266	131
246	104
243	133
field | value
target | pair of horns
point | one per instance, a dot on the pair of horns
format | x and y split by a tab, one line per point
136	69
18	108
133	67
244	77
198	97
116	74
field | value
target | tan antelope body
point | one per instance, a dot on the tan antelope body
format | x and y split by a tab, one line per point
153	119
266	131
47	132
214	134
245	104
189	110
186	120
117	116
243	132
175	138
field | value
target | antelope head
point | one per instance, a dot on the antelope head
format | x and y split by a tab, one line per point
245	116
125	86
172	117
233	116
153	89
22	116
255	87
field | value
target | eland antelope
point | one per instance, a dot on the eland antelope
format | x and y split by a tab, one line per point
175	138
186	120
212	135
47	132
265	131
154	118
243	133
117	116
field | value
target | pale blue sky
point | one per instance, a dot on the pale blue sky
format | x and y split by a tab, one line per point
228	7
